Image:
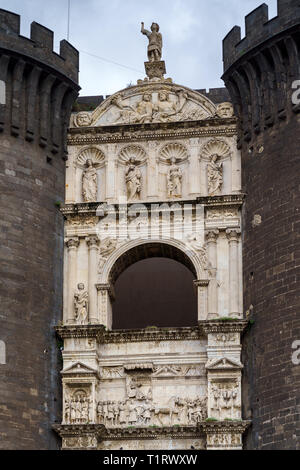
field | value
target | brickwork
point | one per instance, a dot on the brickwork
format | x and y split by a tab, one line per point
40	87
259	72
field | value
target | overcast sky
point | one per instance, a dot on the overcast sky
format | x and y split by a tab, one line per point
192	34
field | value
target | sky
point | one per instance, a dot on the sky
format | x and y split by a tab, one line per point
192	32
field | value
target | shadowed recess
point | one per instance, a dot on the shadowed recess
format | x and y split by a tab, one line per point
155	292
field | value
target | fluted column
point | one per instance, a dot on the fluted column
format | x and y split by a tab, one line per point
110	173
72	245
233	241
211	238
202	285
104	308
92	243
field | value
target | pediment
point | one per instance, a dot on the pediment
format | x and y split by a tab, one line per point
78	368
147	103
221	363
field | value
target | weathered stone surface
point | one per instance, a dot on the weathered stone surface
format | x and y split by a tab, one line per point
269	140
33	123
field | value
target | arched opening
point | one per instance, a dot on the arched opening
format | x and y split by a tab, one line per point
154	287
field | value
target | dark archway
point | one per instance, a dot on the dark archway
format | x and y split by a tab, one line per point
154	291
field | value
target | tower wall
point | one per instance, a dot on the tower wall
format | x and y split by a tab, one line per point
37	90
259	72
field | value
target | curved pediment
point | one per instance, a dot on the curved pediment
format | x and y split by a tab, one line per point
149	103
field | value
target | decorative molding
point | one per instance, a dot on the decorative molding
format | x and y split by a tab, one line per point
222	326
127	336
160	131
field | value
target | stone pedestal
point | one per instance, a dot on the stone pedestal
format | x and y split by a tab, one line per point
155	69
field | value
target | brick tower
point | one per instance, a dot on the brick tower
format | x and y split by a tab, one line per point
260	73
37	90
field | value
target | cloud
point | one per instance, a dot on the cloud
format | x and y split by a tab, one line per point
192	33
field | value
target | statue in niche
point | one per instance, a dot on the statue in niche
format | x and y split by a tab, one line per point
214	175
174	179
81	301
133	178
155	42
89	182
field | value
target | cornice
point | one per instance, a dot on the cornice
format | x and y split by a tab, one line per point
80	331
90	208
212	427
153	432
153	131
128	433
128	336
222	326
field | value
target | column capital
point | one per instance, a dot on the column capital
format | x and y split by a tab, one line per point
201	282
92	241
106	287
212	236
233	234
72	242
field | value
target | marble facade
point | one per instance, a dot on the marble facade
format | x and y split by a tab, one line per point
156	163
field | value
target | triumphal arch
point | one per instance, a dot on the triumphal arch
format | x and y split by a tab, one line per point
153	171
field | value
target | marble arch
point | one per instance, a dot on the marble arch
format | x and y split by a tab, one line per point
136	250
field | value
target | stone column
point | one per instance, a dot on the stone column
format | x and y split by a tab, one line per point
93	242
233	241
152	171
202	286
72	245
110	172
212	237
104	307
194	167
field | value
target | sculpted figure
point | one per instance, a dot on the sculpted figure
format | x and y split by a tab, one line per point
225	110
82	119
132	412
155	42
81	301
89	182
107	246
133	178
144	109
174	178
164	108
131	388
110	413
123	414
214	175
147	412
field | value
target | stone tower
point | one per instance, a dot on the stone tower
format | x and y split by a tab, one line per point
260	74
37	90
